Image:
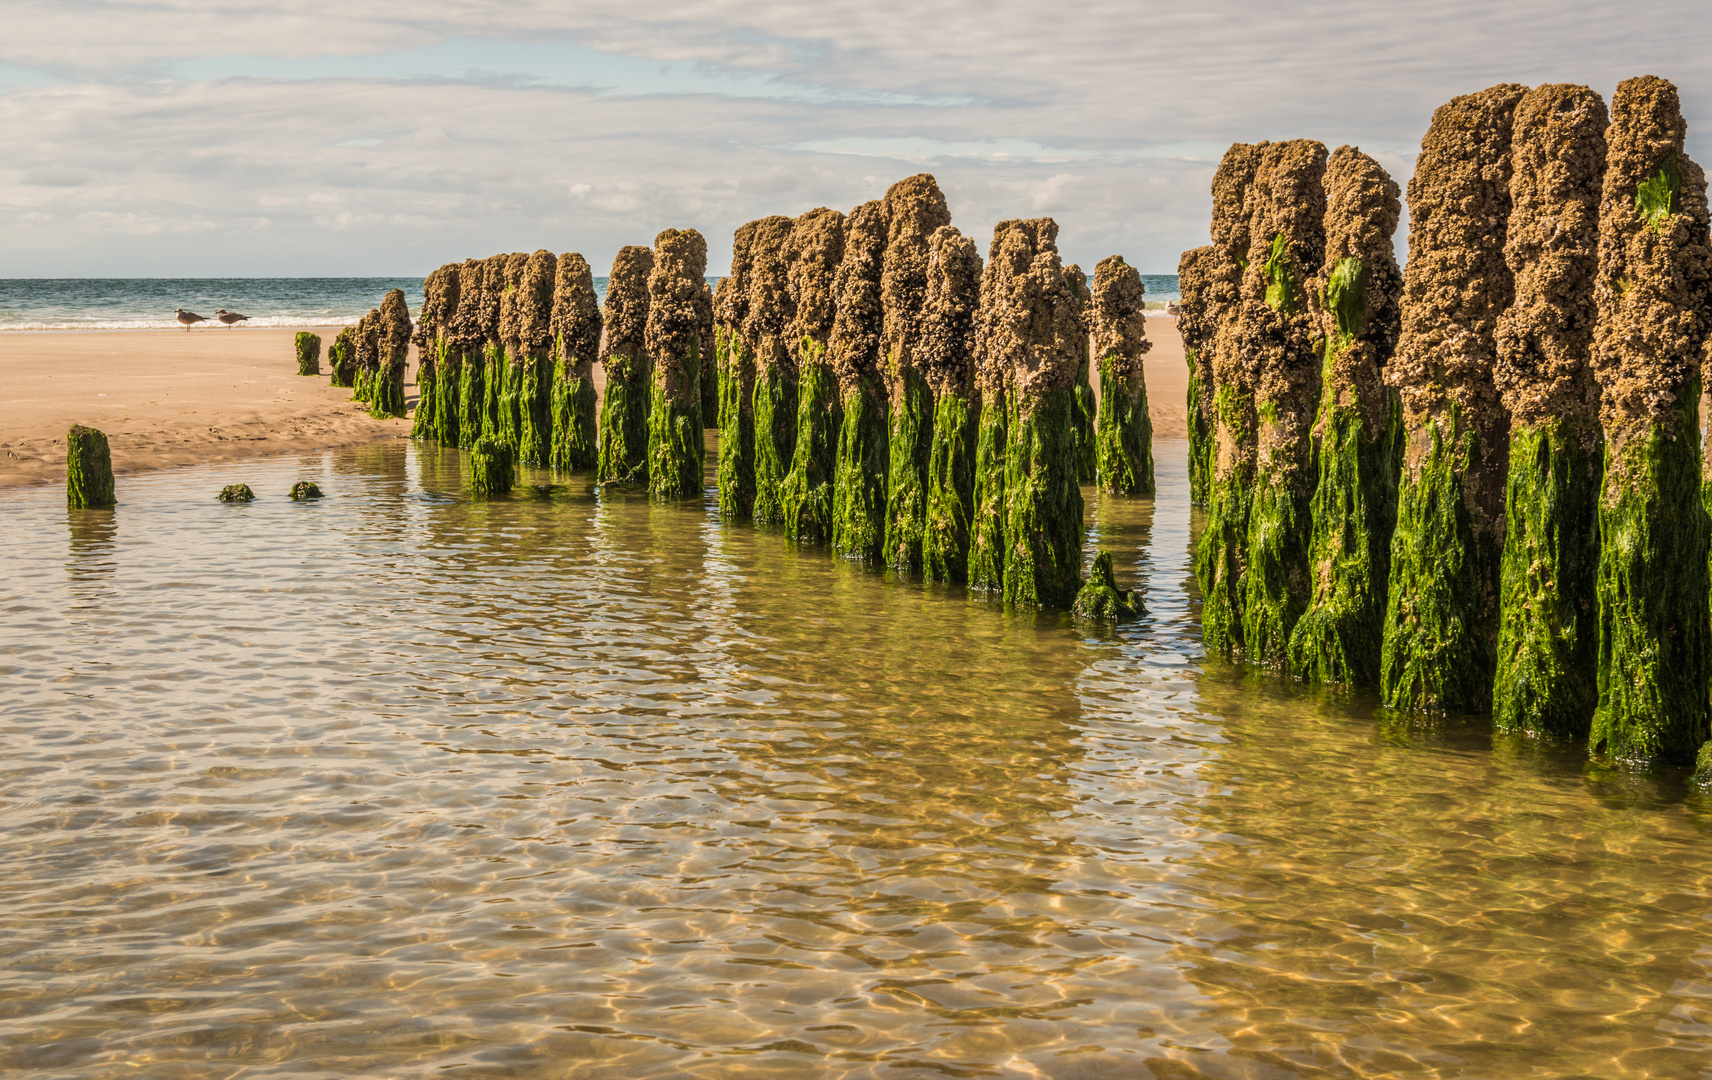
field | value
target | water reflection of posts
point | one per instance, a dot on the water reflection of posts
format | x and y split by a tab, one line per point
94	531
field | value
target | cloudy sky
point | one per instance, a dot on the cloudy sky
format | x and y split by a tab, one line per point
262	137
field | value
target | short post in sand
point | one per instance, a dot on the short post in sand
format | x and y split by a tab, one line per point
88	468
308	353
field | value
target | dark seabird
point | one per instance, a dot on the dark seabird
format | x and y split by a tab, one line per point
230	317
189	318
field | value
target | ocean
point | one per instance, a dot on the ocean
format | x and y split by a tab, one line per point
149	303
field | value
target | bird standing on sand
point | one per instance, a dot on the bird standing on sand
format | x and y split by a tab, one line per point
230	318
189	318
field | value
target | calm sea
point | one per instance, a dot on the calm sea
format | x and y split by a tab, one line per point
149	303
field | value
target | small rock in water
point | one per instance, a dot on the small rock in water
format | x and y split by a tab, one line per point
1100	600
236	493
302	491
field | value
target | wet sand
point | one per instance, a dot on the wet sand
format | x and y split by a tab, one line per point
169	398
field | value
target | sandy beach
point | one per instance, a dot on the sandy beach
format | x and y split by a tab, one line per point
168	398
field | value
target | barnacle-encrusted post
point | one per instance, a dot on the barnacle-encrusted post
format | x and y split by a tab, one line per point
1548	609
1221	554
767	328
88	468
467	338
1356	298
816	248
859	486
680	306
1196	324
1043	499
533	362
434	371
308	353
736	363
1087	410
342	358
624	410
1123	435
508	357
576	345
365	341
1441	614
1653	291
393	344
915	207
947	360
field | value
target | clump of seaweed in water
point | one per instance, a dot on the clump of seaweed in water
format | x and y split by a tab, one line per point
576	326
1196	325
304	490
736	373
1547	638
624	411
767	331
236	493
859	485
1653	290
814	252
1123	433
680	310
947	360
1356	298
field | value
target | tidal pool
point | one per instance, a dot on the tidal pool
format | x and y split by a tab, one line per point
567	784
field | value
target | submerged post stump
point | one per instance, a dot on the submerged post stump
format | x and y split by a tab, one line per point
236	493
88	468
576	345
624	412
1196	325
491	469
767	329
308	353
815	250
1101	601
1356	298
679	304
859	486
304	490
1653	291
1123	435
1544	681
1441	615
947	360
736	383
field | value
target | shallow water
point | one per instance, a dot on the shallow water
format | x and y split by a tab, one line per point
396	784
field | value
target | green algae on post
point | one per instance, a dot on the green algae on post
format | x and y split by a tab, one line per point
736	383
1195	323
914	207
436	415
1101	601
88	468
576	330
304	490
946	358
531	354
236	493
859	485
815	250
1653	289
506	374
1123	434
1087	409
342	359
491	468
767	328
392	342
1441	606
468	337
680	312
308	353
1356	297
624	411
365	340
1544	681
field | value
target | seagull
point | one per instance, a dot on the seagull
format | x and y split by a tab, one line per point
188	318
230	318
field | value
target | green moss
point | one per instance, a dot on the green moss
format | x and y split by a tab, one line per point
775	408
624	420
362	385
575	435
424	422
1100	600
508	427
1221	556
677	448
1349	559
535	410
1043	504
446	417
736	430
987	526
88	468
859	486
491	468
236	493
304	490
1346	298
1200	437
472	397
807	492
308	353
1283	293
342	359
1124	434
1655	197
910	446
1547	610
950	490
1654	659
1441	608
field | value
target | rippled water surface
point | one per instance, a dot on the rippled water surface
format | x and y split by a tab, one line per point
577	785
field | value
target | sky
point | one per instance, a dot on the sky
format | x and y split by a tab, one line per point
206	138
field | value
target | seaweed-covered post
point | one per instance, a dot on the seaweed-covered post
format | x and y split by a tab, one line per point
1196	325
1547	614
1123	435
624	410
342	358
392	357
679	304
366	337
1357	300
508	403
492	470
859	488
434	372
576	326
88	468
1441	611
767	330
533	362
1221	555
1653	289
736	364
467	338
947	361
308	353
915	207
816	248
1087	411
